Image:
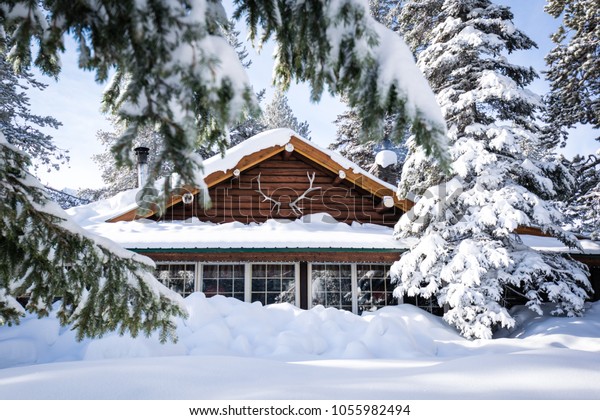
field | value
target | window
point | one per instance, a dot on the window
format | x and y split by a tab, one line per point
179	277
273	283
375	288
223	279
331	285
349	286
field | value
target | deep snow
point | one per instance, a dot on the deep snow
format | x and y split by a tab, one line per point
229	349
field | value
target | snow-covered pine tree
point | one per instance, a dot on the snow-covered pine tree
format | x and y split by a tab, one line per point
250	126
350	140
279	114
101	286
582	207
387	12
173	52
44	257
64	198
22	128
574	64
468	255
117	179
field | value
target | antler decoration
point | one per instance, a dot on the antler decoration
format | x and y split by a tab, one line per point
276	204
294	204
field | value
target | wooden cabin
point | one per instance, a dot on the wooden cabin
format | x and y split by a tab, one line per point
288	221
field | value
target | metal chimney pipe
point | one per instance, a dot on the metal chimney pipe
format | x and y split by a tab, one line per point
142	164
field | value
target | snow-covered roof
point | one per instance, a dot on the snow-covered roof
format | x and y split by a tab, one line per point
311	231
550	244
279	137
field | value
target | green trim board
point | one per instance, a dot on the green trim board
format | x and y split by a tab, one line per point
261	250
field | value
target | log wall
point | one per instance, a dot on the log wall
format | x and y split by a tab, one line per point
284	178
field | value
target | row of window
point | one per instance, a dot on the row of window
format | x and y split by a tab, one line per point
353	287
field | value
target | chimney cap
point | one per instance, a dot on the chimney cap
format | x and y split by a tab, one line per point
142	154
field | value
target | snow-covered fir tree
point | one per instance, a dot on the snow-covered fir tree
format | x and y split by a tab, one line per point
387	12
21	128
582	206
174	52
469	256
250	126
174	70
115	178
278	114
574	64
65	199
350	141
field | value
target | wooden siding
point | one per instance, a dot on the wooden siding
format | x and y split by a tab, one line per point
284	178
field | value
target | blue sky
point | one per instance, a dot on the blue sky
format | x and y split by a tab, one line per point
75	101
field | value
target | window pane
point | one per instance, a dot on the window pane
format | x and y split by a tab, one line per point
210	287
225	272
178	277
238	285
258	285
273	283
332	285
375	289
223	279
210	271
238	271
258	270
226	287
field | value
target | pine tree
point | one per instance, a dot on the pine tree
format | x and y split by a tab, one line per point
468	255
118	178
248	127
175	71
279	114
574	64
115	178
64	198
387	12
22	128
582	206
44	256
350	140
349	144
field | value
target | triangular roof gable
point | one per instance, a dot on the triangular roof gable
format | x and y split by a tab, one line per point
266	145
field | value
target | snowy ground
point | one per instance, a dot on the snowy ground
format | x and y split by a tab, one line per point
232	350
